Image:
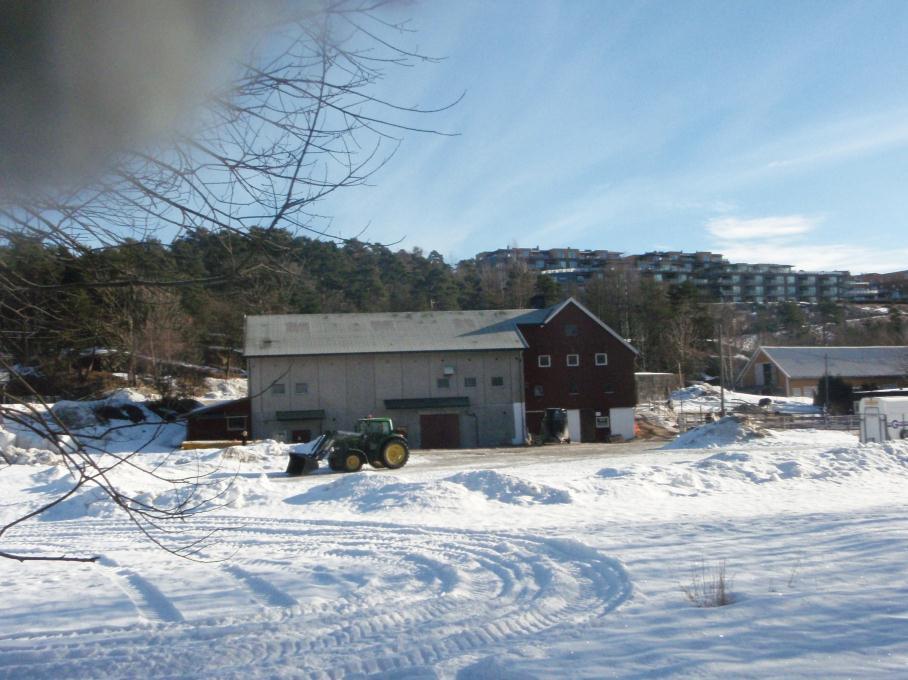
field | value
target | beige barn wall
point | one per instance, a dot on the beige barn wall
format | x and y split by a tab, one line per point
348	387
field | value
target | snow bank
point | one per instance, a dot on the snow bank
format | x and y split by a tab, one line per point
225	389
728	471
20	446
14	455
258	452
725	431
496	486
120	422
209	494
371	492
122	404
231	492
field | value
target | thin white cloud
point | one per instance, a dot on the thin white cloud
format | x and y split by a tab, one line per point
846	140
760	227
788	240
815	257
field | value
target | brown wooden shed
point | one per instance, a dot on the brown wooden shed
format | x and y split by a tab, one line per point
219	422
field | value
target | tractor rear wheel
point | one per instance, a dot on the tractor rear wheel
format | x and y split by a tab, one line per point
395	453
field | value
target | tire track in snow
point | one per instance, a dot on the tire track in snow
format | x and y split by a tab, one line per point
149	601
441	595
261	588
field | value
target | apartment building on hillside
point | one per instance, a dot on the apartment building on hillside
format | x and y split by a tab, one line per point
711	273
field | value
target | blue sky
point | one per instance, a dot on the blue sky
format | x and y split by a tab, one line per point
768	131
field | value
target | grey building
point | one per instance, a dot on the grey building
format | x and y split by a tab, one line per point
449	378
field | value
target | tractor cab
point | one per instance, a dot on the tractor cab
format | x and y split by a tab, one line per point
374	427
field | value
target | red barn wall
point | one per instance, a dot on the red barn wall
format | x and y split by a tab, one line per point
587	387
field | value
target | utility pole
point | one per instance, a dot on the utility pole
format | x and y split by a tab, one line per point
826	380
721	372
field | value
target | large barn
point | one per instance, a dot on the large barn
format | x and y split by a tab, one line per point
451	379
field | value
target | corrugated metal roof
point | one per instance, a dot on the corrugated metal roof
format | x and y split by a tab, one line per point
848	362
308	334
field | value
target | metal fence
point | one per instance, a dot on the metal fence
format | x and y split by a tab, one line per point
778	421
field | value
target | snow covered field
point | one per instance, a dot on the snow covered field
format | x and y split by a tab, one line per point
704	398
527	563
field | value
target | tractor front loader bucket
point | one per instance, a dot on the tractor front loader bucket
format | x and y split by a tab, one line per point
301	465
306	463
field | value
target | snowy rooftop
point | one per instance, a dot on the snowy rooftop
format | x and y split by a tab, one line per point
301	334
309	334
857	362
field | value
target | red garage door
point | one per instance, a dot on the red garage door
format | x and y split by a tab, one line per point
439	431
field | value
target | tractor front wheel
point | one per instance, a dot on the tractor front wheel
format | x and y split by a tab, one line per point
353	461
395	453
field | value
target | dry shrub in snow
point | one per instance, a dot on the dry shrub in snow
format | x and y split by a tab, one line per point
709	586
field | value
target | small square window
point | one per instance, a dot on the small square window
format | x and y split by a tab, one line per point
570	330
278	388
497	381
572	387
469	382
573	359
545	360
443	383
301	388
236	423
609	389
601	359
538	391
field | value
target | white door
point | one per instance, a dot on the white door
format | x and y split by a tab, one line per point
574	424
622	421
872	428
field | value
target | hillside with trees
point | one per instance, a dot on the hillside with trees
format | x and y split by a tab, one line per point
59	307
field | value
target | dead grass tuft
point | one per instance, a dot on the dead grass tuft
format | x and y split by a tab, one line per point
709	586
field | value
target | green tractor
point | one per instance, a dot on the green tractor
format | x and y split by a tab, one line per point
373	441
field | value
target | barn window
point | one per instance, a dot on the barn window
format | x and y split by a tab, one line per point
573	359
545	360
469	382
497	381
443	383
570	330
601	359
278	388
301	388
236	423
538	391
572	387
609	389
